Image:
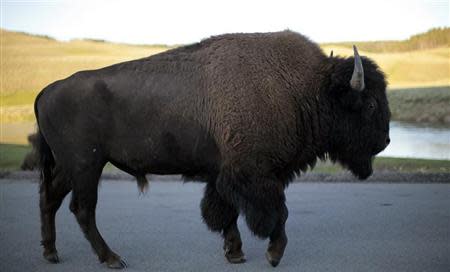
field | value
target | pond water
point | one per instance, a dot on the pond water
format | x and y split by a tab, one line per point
418	140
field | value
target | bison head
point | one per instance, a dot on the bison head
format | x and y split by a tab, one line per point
360	128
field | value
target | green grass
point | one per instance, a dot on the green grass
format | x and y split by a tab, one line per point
11	157
393	164
412	165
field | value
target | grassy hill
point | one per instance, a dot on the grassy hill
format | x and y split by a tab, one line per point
434	38
420	68
431	105
420	61
31	62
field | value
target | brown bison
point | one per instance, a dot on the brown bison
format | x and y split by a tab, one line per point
242	112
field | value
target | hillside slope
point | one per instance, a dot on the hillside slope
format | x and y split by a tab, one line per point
31	62
433	38
419	68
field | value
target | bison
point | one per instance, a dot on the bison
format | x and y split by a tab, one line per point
243	113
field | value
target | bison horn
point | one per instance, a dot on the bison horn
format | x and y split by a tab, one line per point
331	54
357	81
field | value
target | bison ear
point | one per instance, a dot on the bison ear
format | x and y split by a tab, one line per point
340	89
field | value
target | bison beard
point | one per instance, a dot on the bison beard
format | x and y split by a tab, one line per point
244	113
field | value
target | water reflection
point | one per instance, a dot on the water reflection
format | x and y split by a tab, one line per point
413	140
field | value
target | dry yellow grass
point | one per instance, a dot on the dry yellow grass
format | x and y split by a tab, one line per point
19	113
29	63
421	68
17	132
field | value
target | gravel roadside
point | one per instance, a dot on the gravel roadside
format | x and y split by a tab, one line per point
377	177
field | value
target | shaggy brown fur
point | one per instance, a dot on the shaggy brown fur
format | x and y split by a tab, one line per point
242	112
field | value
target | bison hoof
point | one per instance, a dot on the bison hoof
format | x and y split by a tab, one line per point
116	263
52	257
234	257
272	260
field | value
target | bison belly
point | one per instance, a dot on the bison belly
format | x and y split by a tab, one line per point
165	146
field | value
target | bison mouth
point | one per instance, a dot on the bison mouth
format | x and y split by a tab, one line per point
362	171
359	167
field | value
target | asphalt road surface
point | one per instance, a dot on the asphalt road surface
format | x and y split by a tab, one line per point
331	227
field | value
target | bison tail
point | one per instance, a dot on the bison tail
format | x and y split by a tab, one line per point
46	161
142	183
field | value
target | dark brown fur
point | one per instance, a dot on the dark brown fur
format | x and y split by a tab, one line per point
242	112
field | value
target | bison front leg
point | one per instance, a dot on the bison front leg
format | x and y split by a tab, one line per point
232	245
262	200
266	217
278	239
222	217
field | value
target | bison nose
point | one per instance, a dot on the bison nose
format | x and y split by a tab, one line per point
388	140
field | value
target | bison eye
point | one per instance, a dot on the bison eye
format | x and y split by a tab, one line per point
371	106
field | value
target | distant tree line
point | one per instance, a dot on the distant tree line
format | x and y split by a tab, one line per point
433	38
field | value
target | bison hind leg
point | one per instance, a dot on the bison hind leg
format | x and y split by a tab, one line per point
85	179
51	198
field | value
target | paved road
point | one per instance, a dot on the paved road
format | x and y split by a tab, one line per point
332	227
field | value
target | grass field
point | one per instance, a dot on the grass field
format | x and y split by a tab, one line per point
29	63
421	68
393	164
11	157
433	38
